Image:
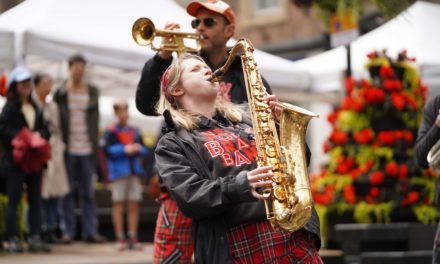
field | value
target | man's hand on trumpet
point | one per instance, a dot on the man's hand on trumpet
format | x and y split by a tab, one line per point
169	26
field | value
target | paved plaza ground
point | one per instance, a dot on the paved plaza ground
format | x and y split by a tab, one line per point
82	253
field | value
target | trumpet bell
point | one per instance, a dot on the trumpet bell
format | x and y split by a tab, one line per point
143	31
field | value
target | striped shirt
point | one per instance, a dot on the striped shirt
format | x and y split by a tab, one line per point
79	142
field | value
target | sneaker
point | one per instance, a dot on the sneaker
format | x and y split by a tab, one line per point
35	244
135	245
15	246
66	239
121	245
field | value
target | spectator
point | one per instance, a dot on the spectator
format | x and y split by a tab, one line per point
124	148
78	103
20	114
54	181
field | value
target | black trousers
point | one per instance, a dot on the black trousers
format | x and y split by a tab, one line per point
16	180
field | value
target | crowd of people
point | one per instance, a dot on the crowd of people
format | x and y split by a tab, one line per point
65	131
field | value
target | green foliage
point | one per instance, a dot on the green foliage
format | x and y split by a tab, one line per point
21	212
364	212
389	8
426	214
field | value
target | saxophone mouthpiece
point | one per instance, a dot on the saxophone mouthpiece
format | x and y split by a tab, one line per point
216	76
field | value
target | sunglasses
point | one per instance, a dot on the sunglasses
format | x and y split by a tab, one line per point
208	21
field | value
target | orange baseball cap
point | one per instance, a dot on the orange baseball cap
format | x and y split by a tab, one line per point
214	5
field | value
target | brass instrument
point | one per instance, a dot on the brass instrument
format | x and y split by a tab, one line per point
289	203
433	157
144	32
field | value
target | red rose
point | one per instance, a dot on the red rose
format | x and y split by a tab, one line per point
374	191
349	194
386	71
339	137
403	171
350	84
392	168
376	178
398	101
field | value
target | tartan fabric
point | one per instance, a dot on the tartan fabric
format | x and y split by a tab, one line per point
172	237
260	243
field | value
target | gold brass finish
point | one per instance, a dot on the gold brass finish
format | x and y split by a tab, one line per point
289	203
144	32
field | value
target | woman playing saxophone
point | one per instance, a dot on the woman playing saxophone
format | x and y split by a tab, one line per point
207	159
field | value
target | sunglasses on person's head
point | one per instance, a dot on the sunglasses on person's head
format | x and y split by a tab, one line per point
208	21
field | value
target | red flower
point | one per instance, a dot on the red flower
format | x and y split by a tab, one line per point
332	117
355	173
376	178
392	168
350	84
327	147
364	136
386	137
367	166
386	71
339	137
349	194
392	85
408	136
412	198
3	88
347	103
374	191
324	197
398	101
403	171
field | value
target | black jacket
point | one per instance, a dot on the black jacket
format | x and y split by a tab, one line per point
183	170
148	89
12	120
428	133
427	136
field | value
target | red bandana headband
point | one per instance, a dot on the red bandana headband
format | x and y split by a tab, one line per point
165	86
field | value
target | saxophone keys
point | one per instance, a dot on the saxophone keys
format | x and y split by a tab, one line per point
279	194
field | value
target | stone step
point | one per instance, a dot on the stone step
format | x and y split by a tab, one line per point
397	257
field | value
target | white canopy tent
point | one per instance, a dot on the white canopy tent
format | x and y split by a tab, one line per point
49	31
415	30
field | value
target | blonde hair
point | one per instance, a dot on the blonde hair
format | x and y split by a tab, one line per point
182	117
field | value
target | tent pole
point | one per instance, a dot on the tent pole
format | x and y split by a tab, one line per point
348	71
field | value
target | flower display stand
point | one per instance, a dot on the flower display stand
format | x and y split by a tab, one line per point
392	243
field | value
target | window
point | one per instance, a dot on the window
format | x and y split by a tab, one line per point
266	5
263	12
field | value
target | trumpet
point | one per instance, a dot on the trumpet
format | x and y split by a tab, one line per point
144	32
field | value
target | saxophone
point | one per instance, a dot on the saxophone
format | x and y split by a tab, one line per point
289	202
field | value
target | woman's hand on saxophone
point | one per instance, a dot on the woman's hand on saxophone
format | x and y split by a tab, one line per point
274	106
260	178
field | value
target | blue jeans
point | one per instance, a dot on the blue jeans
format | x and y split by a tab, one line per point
50	212
80	170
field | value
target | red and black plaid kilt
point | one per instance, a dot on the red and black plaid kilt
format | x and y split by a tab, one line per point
260	243
172	237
